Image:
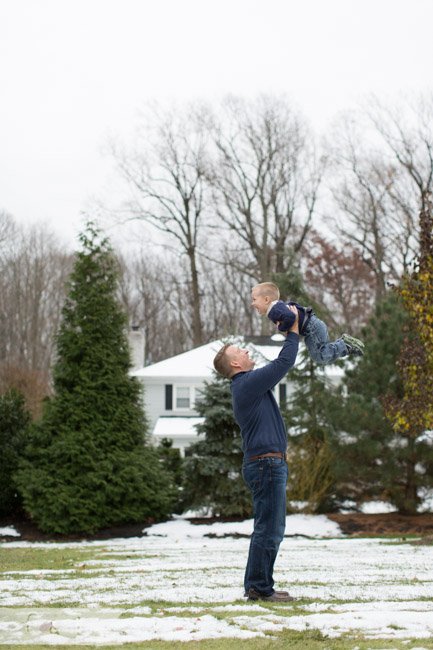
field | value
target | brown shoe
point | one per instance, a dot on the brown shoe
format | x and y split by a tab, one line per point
277	596
281	593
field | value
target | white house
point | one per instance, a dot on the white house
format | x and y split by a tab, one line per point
172	386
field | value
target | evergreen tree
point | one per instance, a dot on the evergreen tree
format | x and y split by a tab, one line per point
307	414
308	418
411	413
291	284
172	461
374	459
88	464
14	422
213	478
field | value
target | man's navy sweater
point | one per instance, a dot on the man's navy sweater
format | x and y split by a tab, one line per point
255	407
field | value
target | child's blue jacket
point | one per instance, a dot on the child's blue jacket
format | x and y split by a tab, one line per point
280	312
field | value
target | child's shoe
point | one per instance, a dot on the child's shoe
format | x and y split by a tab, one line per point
353	345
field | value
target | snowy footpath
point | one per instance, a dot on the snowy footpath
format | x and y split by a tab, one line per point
183	582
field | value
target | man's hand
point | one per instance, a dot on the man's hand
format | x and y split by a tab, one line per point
295	326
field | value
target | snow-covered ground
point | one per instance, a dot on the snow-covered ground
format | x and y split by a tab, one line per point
184	582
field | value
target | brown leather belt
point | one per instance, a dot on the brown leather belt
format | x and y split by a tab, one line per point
277	454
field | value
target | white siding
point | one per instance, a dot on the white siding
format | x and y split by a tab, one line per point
154	397
154	402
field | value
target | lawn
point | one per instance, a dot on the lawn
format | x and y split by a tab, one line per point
181	585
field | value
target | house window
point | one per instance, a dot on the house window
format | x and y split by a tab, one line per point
168	397
280	394
283	394
183	397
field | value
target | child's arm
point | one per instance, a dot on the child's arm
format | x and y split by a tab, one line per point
280	313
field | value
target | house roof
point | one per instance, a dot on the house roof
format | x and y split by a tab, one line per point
199	361
176	427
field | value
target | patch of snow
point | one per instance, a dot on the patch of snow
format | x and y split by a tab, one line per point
427	500
201	513
79	626
427	437
347	586
278	337
9	531
313	526
174	427
379	507
372	623
376	507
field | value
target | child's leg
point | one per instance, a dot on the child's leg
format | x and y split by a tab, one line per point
317	342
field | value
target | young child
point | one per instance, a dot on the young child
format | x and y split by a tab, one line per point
266	299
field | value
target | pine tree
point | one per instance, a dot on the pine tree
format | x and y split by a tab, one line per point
310	431
376	460
172	462
88	464
213	478
411	413
14	423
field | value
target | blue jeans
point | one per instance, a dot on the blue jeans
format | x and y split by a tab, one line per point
267	480
317	341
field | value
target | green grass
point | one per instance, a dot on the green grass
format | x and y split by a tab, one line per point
57	559
287	640
20	560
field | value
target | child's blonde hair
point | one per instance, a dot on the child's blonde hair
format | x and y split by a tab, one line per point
268	289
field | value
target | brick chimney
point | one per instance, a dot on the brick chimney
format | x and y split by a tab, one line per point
137	344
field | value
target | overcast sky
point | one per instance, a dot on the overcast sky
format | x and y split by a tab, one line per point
74	72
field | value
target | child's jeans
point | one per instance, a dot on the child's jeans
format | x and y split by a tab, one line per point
317	341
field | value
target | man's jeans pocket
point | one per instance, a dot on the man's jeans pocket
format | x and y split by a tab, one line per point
252	473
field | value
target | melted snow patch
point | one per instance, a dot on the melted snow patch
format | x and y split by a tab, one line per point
82	626
341	585
9	531
314	526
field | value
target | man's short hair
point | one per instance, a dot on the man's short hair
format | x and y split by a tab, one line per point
222	362
268	289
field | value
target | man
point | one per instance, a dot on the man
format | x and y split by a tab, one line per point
264	442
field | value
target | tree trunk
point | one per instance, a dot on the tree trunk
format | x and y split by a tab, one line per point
197	326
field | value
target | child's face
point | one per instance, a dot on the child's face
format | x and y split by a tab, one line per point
260	301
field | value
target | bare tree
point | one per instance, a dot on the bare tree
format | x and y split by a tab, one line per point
155	302
265	181
7	235
339	280
227	305
383	167
365	215
7	231
407	131
166	175
34	271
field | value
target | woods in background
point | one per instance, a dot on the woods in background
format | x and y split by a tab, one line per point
227	198
231	196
